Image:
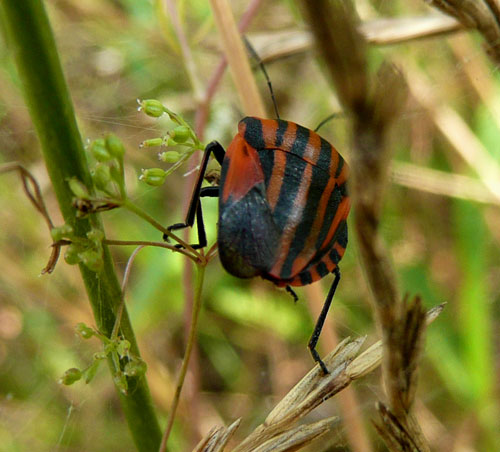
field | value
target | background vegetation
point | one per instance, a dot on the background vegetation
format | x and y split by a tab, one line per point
252	337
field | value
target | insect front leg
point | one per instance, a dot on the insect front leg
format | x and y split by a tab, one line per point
195	209
320	322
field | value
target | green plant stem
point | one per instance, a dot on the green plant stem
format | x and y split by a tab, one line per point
145	216
200	275
31	41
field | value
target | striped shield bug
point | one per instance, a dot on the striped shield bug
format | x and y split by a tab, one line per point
283	206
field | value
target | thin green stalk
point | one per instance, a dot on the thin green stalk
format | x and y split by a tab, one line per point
145	216
187	354
32	43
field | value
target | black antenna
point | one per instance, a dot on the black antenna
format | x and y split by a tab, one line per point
256	57
329	118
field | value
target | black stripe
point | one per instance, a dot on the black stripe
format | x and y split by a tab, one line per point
343	190
322	269
305	278
301	140
339	237
280	132
339	166
319	180
253	132
292	177
266	158
341	234
325	155
334	256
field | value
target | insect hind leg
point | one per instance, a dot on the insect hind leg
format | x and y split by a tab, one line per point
320	322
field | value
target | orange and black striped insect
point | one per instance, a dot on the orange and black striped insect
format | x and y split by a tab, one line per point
283	205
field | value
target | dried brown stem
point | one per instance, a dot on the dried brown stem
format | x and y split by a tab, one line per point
204	107
383	31
278	432
366	100
350	409
34	194
483	15
441	183
239	65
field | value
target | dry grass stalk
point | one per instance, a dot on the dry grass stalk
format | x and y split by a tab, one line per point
477	70
398	427
384	31
457	132
350	410
441	183
310	392
396	30
483	15
217	438
373	111
371	358
298	437
396	436
239	66
278	432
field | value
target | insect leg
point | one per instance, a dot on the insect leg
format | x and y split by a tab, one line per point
292	293
194	209
205	192
321	320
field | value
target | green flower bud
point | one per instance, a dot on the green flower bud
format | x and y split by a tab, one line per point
72	254
90	372
135	368
78	188
84	331
116	175
152	107
169	156
153	176
70	376
123	348
61	232
152	142
115	146
180	134
99	356
101	176
92	259
120	380
100	151
96	236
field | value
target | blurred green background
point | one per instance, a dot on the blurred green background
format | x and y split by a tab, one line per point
252	337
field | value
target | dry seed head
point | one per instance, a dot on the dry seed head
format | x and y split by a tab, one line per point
297	437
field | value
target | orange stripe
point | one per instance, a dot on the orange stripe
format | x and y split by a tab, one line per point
289	137
276	179
341	214
339	248
309	249
294	218
344	174
314	274
313	148
334	161
269	130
